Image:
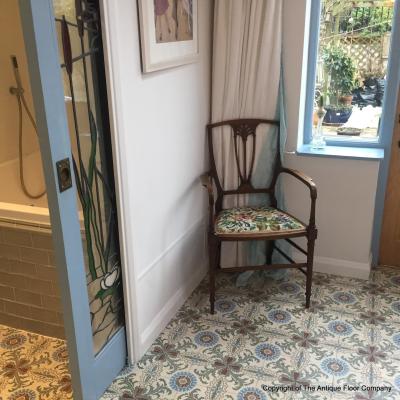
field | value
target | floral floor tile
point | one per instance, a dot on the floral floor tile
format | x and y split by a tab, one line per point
33	367
343	300
262	344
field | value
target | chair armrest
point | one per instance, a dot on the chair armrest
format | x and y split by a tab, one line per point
313	194
302	178
206	181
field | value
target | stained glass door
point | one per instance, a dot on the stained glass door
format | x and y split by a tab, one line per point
64	52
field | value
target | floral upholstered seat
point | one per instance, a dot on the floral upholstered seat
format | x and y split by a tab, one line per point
256	221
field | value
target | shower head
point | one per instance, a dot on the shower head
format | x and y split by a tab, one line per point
14	62
18	89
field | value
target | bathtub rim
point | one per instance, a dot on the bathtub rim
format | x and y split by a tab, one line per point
25	215
30	216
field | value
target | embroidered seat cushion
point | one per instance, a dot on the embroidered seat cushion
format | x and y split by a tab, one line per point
255	221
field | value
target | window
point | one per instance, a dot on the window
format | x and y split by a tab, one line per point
348	69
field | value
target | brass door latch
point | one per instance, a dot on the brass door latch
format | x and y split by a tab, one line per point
64	174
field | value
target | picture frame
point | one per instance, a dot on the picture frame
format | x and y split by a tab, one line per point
168	33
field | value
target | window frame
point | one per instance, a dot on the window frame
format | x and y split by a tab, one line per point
390	95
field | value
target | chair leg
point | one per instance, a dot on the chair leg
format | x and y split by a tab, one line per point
270	250
219	255
310	261
213	257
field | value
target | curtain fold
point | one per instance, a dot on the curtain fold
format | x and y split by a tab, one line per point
245	84
246	58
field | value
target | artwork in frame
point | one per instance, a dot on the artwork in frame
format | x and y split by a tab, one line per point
168	33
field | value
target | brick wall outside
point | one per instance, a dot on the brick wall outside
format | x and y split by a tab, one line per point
29	289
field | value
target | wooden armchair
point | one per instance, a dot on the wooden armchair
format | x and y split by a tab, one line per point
254	223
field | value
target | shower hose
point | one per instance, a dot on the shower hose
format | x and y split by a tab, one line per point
18	92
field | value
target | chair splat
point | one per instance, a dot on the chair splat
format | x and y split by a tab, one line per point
244	132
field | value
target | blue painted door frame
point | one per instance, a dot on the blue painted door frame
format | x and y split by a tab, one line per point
90	374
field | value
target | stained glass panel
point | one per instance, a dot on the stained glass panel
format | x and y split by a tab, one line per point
81	59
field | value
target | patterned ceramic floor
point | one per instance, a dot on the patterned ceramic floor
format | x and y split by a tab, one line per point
33	367
262	335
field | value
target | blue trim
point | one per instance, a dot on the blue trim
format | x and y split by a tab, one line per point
109	362
389	118
48	96
311	69
355	153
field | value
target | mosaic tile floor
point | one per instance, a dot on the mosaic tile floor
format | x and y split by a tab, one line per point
262	335
33	367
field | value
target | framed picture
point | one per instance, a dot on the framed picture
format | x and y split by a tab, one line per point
168	33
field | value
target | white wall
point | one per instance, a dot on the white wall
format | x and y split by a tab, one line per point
159	120
160	123
346	188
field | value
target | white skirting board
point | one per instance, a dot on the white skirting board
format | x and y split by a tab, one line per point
337	266
166	285
342	267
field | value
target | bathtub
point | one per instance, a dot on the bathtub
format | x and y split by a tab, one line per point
10	188
29	288
15	206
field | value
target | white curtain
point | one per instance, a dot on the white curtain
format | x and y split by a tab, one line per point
245	83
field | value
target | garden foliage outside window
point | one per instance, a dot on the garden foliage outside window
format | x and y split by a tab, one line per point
352	64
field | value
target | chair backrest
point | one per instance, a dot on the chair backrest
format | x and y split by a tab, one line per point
243	135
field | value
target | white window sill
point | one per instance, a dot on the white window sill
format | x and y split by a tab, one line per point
356	153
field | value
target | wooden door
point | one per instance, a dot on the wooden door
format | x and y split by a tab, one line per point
390	238
93	366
